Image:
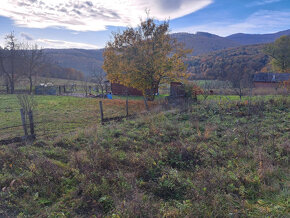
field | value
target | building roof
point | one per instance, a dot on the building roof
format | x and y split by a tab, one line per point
271	77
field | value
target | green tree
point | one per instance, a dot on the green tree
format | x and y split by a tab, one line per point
279	51
144	57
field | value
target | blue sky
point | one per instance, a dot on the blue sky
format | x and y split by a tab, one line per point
89	23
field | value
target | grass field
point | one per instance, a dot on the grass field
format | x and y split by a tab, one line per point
215	159
55	115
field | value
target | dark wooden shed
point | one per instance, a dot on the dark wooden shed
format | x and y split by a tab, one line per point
118	89
177	89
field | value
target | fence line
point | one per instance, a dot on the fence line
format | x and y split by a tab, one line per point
10	127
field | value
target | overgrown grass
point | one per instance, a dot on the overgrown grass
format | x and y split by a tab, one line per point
212	160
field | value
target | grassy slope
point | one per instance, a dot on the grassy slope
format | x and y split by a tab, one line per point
217	160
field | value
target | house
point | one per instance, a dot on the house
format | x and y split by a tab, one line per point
269	80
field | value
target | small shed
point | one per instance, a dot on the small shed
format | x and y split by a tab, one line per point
269	80
177	89
118	89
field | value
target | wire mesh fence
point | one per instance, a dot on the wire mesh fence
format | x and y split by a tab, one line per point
60	115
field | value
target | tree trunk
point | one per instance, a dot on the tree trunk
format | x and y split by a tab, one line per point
7	88
102	89
30	85
145	102
12	87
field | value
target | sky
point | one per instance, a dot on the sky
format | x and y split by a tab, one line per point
89	24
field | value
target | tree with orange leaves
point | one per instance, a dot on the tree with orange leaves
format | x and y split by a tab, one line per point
144	57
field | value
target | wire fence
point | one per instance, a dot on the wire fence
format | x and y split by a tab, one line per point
53	120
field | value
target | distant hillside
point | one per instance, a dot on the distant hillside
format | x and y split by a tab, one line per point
203	43
79	59
250	39
228	64
83	60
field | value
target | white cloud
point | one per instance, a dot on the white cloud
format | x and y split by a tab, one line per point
260	22
26	36
49	43
60	44
262	2
93	15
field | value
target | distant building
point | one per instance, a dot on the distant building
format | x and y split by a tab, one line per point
269	80
118	89
46	89
177	89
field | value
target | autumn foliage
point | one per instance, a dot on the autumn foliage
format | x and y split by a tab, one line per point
144	57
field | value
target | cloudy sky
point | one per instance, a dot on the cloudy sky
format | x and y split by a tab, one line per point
89	23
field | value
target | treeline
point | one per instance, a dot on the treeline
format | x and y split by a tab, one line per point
24	61
228	64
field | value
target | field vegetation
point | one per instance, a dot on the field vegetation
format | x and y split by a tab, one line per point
58	115
214	158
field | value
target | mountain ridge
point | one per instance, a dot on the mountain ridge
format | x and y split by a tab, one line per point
251	39
202	43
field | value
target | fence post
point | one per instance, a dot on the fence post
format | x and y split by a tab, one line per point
101	111
127	106
23	121
31	124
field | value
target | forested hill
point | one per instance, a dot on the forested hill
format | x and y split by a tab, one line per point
250	39
79	59
201	42
225	64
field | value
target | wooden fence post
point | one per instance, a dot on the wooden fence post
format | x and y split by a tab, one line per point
101	111
127	106
23	121
31	124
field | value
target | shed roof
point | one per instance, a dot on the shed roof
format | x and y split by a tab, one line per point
271	77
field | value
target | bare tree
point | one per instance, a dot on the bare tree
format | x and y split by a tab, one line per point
34	62
99	77
241	79
9	59
207	87
85	85
241	85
